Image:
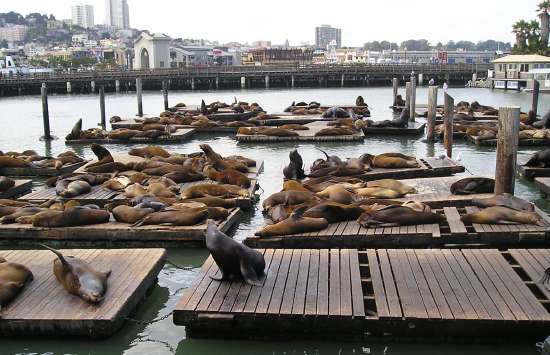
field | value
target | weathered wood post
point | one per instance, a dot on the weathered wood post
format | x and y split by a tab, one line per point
408	94
102	106
432	113
45	112
448	122
342	78
267	81
507	149
139	97
412	107
117	86
395	83
165	94
535	102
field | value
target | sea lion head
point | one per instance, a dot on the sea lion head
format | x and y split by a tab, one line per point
92	289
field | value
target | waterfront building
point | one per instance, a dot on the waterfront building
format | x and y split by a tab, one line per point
152	51
13	33
83	15
325	34
201	56
117	14
261	44
273	56
436	57
518	66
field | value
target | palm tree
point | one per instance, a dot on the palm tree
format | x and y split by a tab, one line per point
544	15
532	33
520	29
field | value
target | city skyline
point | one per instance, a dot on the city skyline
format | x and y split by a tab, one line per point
432	20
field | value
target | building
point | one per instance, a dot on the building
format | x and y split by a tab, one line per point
117	14
152	51
272	56
13	33
325	34
83	15
261	44
436	57
518	66
202	56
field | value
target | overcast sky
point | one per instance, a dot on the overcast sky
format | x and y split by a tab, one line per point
360	20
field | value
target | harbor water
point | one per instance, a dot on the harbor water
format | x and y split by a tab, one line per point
21	128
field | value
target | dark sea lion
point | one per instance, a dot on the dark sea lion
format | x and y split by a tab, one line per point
79	278
76	131
13	278
473	185
337	131
335	112
359	101
399	101
295	224
7	210
127	214
77	216
112	167
6	183
184	176
103	155
344	170
20	212
506	200
332	160
396	216
75	188
234	259
288	198
295	169
540	159
175	218
122	134
502	214
334	212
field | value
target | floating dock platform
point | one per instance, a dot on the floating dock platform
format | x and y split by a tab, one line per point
21	187
521	142
428	167
180	135
472	293
44	308
303	136
543	183
36	171
411	129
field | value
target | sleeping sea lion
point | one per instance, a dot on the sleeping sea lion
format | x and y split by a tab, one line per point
295	224
79	278
7	210
149	151
227	176
277	132
501	214
336	193
336	131
212	201
335	112
334	212
506	200
76	216
293	185
135	190
294	127
391	161
175	218
235	260
13	278
473	185
288	198
187	175
6	183
378	192
392	184
12	162
75	188
127	214
21	211
539	159
394	215
203	190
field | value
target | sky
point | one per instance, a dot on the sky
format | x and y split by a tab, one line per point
277	20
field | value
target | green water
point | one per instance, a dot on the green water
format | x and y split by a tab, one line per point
21	123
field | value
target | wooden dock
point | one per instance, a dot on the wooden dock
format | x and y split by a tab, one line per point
472	293
180	135
428	167
36	171
452	231
287	118
531	172
543	183
44	308
521	142
413	128
21	187
303	136
97	196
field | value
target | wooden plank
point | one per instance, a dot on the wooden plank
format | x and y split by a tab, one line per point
247	300
277	295
453	219
427	298
394	304
380	297
323	285
312	284
334	284
409	288
346	303
298	303
269	283
435	289
356	287
291	283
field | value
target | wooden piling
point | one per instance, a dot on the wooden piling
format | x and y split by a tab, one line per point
45	112
395	83
412	107
102	106
139	97
408	94
535	102
507	149
448	122
432	106
165	94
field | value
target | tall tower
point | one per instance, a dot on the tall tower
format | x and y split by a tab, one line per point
117	14
83	15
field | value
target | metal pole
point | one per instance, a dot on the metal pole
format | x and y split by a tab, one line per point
413	99
102	106
139	97
165	94
535	102
45	112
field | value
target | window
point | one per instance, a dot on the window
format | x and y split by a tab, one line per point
162	64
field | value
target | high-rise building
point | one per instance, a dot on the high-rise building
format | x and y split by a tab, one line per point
13	33
83	15
117	14
326	34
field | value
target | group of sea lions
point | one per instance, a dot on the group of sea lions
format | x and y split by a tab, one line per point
30	158
75	275
504	208
361	109
6	183
150	130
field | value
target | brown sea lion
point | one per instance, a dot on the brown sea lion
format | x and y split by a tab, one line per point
184	176
118	183
7	210
289	198
76	216
227	176
277	132
21	211
149	152
294	127
378	192
391	161
221	164
76	188
135	190
334	212
473	185
102	154
336	193
79	278
506	200
395	185
212	201
13	278
13	203
501	214
341	131
295	224
127	214
107	168
122	134
293	185
160	190
12	162
176	218
164	169
225	191
6	183
396	216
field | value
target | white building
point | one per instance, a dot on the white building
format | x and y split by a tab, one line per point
13	33
152	51
83	15
117	14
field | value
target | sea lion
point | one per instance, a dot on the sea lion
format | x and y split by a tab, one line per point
12	162
378	192
335	112
118	183
149	152
394	215
390	161
506	200
295	169
21	211
176	218
13	278
332	160
212	201
220	163
187	175
392	184
334	212
127	214
7	210
13	203
336	193
295	224
160	190
227	176
294	127
112	167
336	131
79	278
75	188
76	131
103	155
540	159
234	259
288	198
293	185
473	185
6	183
76	216
277	132
502	214
203	190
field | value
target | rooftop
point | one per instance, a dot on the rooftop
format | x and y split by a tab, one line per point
525	58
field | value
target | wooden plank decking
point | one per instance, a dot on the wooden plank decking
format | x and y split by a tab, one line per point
20	187
411	129
452	231
35	171
180	135
543	183
521	142
306	136
532	172
429	167
44	308
359	293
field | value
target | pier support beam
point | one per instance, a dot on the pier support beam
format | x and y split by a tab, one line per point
448	124
420	79
92	86
243	82
102	107
292	81
69	87
448	78
165	94
412	108
507	149
139	97
408	94
320	80
117	86
432	107
45	112
395	83
217	82
192	83
535	100
267	81
342	80
474	78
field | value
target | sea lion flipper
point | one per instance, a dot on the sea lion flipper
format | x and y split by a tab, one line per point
59	255
249	274
298	213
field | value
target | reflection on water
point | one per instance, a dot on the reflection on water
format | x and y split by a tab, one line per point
21	121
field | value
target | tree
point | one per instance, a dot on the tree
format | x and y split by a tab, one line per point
544	16
533	36
520	29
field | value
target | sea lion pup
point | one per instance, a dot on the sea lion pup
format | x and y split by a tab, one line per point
334	212
149	152
76	216
295	169
220	163
295	224
227	176
76	131
505	200
395	185
336	193
6	183
103	155
13	278
473	185
79	278
127	214
75	188
540	159
234	259
187	217
394	215
340	131
502	214
224	191
289	198
390	161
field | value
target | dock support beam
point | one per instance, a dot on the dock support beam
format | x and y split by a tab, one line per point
420	79
192	83
413	99
448	123
408	94
342	80
92	85
243	82
474	79
507	149
395	83
267	81
117	86
45	112
69	87
292	81
139	97
432	107
102	107
165	94
535	101
217	82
